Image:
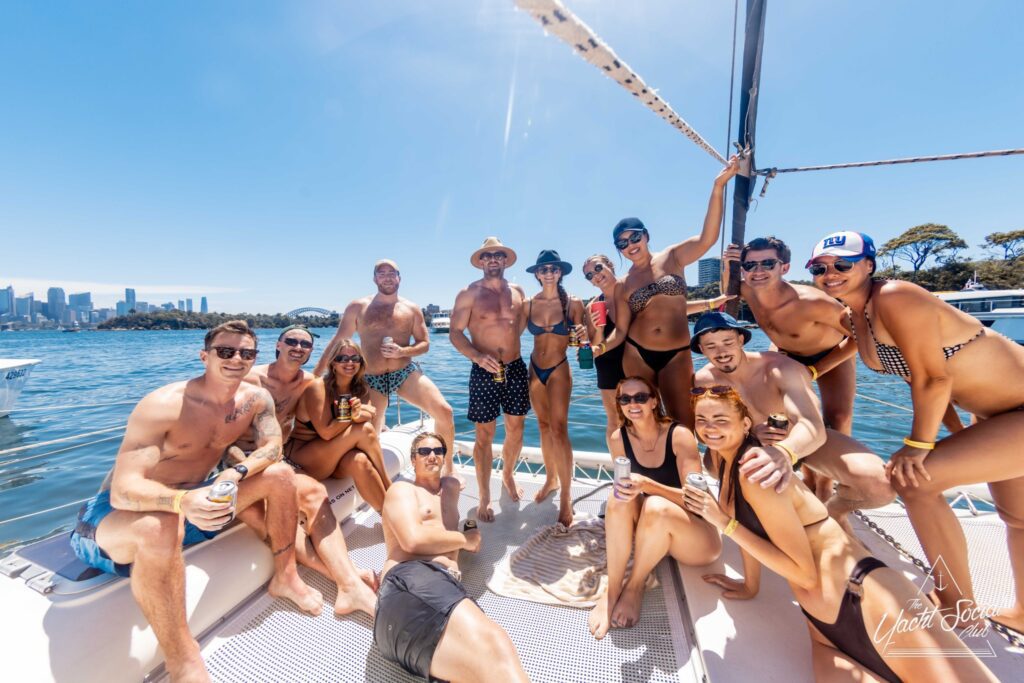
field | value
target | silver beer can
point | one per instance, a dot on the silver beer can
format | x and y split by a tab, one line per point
697	481
223	492
387	341
621	473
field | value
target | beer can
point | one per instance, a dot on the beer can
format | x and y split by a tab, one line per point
697	480
574	338
387	340
778	421
223	492
499	376
621	473
344	407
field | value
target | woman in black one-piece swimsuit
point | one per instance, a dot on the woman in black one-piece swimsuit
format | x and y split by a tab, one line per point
832	577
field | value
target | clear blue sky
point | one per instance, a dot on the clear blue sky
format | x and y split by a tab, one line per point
267	153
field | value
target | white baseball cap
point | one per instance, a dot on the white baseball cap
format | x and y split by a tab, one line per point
845	244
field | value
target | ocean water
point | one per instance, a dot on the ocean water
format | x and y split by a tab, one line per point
89	382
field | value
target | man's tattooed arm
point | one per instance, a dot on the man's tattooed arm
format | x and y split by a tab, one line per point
267	434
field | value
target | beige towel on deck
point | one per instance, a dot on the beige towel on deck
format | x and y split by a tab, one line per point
557	566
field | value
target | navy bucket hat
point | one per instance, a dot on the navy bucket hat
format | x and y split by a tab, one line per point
714	321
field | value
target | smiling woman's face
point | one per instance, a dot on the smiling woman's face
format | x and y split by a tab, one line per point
719	424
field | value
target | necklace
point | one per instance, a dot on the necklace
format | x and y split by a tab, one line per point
645	447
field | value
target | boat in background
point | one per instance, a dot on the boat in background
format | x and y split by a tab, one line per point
1000	309
441	322
14	373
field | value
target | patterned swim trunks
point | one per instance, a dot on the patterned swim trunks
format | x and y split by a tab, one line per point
387	382
487	398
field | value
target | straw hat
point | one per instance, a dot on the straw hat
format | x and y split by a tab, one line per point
492	244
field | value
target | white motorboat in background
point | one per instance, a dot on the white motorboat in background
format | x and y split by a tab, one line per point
14	373
1000	309
441	322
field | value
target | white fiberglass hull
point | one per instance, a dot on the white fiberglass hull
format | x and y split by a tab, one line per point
14	373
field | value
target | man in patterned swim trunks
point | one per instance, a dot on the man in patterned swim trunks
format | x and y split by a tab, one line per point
493	312
389	367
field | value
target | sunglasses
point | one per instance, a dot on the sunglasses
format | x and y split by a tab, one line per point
635	237
766	264
716	390
355	358
496	255
228	352
426	450
597	269
639	398
841	265
304	343
544	270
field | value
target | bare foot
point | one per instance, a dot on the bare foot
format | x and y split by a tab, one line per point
627	609
356	595
1011	618
515	491
550	486
483	510
565	512
370	578
189	669
600	617
291	587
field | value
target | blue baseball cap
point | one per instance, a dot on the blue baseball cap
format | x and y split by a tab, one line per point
713	322
845	244
627	225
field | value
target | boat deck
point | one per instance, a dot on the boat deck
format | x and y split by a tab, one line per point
268	640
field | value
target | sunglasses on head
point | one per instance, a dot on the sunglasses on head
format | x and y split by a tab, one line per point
544	270
292	342
635	237
427	450
354	358
597	269
716	390
840	264
228	352
766	264
640	397
496	255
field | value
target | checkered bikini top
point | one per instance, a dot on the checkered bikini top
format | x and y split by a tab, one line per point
891	358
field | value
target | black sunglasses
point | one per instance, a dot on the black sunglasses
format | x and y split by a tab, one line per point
597	269
716	390
228	352
544	270
293	342
497	255
427	450
342	358
841	265
639	397
632	239
766	264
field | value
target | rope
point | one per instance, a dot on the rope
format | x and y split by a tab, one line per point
61	440
885	403
42	512
77	407
728	127
557	19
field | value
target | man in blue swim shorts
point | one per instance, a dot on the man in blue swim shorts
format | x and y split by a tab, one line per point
157	500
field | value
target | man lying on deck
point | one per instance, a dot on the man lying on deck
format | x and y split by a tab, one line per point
158	496
425	622
771	383
319	542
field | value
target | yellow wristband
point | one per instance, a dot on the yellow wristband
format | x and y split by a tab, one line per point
176	505
925	445
789	451
710	308
814	372
730	527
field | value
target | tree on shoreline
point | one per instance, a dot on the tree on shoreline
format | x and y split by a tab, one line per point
1012	243
180	320
918	244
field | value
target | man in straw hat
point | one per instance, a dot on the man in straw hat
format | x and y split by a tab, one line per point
492	310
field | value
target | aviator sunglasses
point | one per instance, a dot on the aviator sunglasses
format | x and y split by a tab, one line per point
716	390
841	265
597	269
640	397
766	264
427	450
304	343
635	237
228	352
496	255
342	358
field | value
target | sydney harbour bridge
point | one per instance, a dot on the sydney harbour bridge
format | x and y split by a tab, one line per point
311	310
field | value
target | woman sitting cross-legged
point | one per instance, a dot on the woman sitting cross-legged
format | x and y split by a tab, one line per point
858	610
325	444
648	510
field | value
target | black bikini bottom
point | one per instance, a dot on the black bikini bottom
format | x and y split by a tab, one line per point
811	359
544	374
656	360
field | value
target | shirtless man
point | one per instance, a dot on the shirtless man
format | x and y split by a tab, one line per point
157	499
425	622
389	367
319	542
769	383
493	312
804	323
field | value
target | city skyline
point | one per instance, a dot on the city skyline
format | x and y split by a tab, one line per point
78	307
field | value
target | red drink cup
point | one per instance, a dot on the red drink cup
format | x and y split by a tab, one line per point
601	308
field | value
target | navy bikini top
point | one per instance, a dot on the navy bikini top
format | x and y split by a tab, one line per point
667	473
560	328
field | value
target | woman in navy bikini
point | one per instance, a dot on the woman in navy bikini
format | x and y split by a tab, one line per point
550	316
851	600
650	303
946	356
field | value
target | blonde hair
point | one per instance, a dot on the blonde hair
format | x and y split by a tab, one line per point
360	389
